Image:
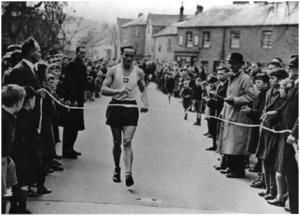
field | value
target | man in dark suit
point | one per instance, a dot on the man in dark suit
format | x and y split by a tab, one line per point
74	85
24	74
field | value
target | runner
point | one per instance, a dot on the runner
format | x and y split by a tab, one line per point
122	114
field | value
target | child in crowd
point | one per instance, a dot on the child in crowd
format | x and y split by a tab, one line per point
197	97
25	152
186	95
12	101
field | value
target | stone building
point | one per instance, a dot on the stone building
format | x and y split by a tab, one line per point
258	31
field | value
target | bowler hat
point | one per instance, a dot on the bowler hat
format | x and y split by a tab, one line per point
236	57
277	64
280	74
262	76
293	61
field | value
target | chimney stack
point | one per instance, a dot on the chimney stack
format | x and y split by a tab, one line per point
262	3
241	2
199	9
181	17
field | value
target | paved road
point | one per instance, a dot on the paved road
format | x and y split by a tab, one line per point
172	171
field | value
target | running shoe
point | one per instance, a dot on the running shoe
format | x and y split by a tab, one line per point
117	175
129	180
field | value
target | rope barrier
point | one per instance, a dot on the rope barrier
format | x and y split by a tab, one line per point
41	116
170	111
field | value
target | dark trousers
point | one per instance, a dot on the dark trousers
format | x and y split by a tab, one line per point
236	164
224	162
292	183
69	137
213	130
270	181
40	171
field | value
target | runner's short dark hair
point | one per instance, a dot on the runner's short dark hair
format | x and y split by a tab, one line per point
79	47
127	47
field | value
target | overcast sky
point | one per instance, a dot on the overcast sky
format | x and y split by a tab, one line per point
108	10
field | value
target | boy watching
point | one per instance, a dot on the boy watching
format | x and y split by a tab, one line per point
12	101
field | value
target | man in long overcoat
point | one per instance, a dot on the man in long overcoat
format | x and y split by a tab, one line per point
74	86
234	138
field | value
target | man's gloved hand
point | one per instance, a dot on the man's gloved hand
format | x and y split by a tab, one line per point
229	100
144	110
42	92
68	103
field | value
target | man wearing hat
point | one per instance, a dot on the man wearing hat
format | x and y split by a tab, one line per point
233	139
273	66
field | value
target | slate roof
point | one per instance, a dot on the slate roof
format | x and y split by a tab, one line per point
279	13
138	21
163	19
122	21
169	30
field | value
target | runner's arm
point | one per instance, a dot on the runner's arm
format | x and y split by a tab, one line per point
106	87
142	86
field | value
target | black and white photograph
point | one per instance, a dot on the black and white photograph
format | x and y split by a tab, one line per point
149	107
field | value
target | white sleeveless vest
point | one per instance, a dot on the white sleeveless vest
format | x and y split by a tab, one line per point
120	80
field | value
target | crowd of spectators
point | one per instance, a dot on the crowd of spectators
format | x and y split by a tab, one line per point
250	94
236	91
31	118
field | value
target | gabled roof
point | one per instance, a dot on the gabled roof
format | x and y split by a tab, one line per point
163	19
279	13
104	41
138	21
122	21
169	30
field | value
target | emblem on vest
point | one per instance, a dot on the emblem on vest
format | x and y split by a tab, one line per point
125	80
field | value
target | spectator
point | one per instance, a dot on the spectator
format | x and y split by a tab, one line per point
12	101
186	95
74	84
233	139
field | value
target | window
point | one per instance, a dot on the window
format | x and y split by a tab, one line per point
206	39
189	39
266	41
169	49
159	48
136	46
216	64
234	39
124	38
136	32
204	64
180	40
196	40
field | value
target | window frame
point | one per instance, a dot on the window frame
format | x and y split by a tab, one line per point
189	42
268	44
169	45
180	40
235	33
206	42
196	40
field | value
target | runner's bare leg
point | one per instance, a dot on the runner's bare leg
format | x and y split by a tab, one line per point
128	133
